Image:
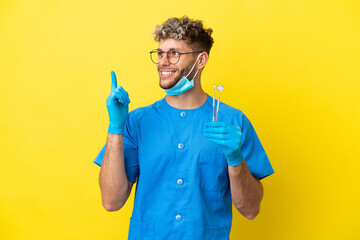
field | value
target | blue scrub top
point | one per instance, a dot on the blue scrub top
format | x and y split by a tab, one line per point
183	189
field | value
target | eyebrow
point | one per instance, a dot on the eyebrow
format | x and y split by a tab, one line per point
177	49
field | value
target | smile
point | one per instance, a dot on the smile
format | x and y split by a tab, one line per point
166	74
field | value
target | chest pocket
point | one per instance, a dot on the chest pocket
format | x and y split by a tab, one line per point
212	167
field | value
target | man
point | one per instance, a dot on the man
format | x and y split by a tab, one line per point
189	169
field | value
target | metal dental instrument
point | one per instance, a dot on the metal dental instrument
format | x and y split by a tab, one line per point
220	88
214	105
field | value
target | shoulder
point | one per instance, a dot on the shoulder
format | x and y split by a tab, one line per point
228	111
138	113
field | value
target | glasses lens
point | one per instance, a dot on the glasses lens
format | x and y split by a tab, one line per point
154	56
173	56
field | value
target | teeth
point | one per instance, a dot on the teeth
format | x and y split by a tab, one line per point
166	73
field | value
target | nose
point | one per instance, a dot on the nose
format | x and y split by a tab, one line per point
164	60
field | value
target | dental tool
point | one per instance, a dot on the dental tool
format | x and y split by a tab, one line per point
220	88
214	105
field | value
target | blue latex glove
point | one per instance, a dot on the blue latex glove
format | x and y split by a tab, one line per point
228	137
118	108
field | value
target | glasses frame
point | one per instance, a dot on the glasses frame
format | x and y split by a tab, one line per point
167	56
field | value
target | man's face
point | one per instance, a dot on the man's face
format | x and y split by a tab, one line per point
170	73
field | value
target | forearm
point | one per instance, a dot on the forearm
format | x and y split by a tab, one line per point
114	185
246	191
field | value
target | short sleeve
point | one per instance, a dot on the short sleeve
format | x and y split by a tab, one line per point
130	152
100	156
253	152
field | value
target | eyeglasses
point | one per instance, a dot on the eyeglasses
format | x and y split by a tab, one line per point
172	55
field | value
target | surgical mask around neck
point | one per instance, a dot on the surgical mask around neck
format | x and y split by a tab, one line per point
184	84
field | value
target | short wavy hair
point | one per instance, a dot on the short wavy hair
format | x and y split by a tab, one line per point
186	29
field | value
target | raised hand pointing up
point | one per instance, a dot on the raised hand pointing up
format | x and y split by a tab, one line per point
118	108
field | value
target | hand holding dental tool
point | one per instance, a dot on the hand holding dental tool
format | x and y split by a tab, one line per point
228	137
118	108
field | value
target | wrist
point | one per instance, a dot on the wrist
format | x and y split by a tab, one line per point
116	129
236	160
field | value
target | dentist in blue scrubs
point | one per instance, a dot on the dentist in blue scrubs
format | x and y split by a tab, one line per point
188	169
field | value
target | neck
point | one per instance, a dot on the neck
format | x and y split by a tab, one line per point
191	99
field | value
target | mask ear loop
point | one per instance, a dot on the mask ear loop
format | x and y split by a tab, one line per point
193	67
195	74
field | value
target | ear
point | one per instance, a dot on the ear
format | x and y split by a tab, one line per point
202	60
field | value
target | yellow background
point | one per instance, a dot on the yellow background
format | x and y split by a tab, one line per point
293	67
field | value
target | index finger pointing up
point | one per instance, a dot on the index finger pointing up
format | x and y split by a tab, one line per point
113	81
